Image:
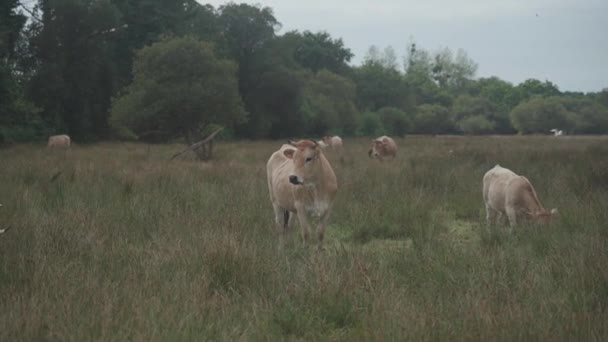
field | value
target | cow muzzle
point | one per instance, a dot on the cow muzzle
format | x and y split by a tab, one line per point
294	180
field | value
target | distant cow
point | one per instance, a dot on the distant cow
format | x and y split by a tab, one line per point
557	132
505	192
382	148
301	181
333	141
62	140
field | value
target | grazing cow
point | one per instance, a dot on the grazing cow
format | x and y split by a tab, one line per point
62	140
557	132
505	192
383	147
334	142
301	181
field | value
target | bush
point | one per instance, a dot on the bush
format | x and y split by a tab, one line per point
395	121
476	124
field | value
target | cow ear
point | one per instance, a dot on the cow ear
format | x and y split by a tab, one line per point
291	142
289	153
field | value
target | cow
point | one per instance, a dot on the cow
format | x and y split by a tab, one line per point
322	144
301	181
334	142
557	132
62	140
506	193
383	147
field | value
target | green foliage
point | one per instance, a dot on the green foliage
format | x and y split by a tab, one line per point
378	86
60	71
180	87
475	124
369	124
432	119
328	104
539	115
394	121
318	51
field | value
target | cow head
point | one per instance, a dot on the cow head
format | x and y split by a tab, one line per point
305	158
544	216
377	149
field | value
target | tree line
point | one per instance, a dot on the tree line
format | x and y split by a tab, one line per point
158	70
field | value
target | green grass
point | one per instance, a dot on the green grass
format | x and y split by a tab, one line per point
113	242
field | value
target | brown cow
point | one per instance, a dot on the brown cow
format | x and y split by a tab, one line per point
62	140
383	147
505	192
301	181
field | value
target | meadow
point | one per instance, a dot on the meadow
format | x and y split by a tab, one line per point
114	242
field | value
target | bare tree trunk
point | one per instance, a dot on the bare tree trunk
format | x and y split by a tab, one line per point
202	149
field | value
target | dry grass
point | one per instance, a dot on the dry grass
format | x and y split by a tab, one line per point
112	242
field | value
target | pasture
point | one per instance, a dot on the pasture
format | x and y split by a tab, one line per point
113	242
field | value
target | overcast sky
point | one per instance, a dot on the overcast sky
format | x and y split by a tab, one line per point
563	41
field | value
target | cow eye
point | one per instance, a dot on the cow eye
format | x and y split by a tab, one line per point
308	159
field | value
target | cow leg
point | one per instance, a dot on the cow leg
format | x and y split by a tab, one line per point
279	216
304	225
512	216
491	215
321	227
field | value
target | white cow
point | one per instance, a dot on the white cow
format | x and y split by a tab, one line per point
301	181
383	147
557	132
62	140
506	193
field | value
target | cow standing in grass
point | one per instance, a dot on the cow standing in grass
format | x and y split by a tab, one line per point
506	193
301	181
383	147
62	140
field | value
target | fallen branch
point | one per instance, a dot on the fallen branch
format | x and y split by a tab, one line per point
199	144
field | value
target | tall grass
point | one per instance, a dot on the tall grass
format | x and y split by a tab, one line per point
113	242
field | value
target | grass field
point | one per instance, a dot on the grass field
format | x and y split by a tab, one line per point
113	242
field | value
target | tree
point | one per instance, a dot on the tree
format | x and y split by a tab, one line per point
328	104
539	115
450	71
247	32
379	87
432	119
476	124
75	74
476	115
394	121
419	80
589	116
532	87
317	51
19	119
180	88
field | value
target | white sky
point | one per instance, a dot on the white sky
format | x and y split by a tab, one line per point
563	41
